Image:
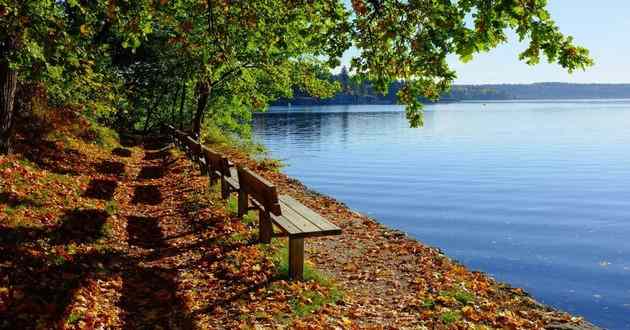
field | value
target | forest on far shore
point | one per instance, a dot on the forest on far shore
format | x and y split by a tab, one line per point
361	92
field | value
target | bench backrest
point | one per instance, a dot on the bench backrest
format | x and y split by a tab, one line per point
216	161
180	136
259	189
193	145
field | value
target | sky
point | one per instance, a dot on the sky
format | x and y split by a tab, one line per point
601	26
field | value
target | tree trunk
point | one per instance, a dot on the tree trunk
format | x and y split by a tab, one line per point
175	99
203	88
152	109
181	107
8	85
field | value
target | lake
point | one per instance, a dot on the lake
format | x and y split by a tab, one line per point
535	193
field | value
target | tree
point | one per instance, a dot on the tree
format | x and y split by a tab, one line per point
60	44
255	50
344	79
410	41
129	57
8	84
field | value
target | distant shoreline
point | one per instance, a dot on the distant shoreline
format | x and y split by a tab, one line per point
486	92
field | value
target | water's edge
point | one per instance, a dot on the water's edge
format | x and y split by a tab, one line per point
583	325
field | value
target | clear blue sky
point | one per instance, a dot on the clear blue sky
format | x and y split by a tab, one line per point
601	26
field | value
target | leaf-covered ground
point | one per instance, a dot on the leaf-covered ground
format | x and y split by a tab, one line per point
95	235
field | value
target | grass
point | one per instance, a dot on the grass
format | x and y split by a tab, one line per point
311	301
449	317
280	256
111	207
463	297
107	230
105	137
270	164
428	303
215	136
74	318
250	218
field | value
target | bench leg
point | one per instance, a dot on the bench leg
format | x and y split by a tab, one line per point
204	169
225	193
265	227
242	203
296	258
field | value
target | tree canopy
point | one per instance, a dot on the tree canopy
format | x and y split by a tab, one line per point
137	64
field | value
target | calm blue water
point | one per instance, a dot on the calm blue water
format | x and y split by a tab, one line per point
535	193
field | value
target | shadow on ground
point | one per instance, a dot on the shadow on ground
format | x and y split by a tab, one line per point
51	156
150	302
157	154
13	200
150	172
108	167
40	288
144	232
101	189
149	194
81	226
121	152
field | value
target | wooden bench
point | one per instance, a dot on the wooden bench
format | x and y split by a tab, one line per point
219	167
292	217
171	133
180	138
196	155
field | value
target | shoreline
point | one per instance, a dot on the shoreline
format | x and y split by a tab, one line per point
385	249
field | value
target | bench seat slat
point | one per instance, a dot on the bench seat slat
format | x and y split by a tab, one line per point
286	225
233	182
233	173
298	219
297	222
312	216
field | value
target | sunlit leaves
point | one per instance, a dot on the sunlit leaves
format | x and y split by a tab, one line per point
261	50
410	40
